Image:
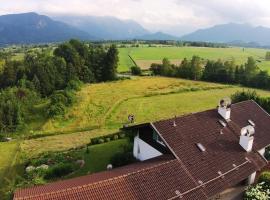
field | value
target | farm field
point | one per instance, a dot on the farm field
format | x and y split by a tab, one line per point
144	56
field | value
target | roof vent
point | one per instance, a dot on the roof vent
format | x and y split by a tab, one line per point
201	147
251	122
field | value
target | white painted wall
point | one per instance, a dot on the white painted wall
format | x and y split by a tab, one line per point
246	142
251	178
143	151
262	151
224	112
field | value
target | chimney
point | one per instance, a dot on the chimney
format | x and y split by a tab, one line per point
224	108
247	137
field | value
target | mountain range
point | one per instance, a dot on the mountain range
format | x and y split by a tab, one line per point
232	33
106	28
31	27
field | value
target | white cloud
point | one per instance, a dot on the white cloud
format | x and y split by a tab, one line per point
174	16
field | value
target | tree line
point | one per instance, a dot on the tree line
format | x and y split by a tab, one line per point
56	74
219	71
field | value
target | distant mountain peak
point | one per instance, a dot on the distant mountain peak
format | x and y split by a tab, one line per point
31	27
227	33
105	27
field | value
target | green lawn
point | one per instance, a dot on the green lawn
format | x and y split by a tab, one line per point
99	156
146	55
8	152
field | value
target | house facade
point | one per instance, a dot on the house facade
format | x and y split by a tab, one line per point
190	157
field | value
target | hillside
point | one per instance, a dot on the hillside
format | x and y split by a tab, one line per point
108	28
33	28
226	33
157	36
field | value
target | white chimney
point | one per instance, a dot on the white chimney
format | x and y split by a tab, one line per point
247	137
224	109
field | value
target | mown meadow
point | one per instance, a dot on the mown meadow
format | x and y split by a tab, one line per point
145	56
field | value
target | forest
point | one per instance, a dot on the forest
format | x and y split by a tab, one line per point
55	75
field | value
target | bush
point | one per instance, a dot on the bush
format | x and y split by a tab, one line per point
107	139
122	135
265	178
257	192
100	140
74	85
135	70
122	158
115	137
94	141
56	110
58	171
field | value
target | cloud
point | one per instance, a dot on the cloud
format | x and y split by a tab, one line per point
174	16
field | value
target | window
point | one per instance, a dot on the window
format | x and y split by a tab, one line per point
157	138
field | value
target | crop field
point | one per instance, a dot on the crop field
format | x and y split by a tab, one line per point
144	56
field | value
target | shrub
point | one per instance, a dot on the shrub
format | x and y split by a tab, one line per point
257	192
94	140
122	135
107	139
265	178
135	70
56	110
122	158
100	141
115	137
74	85
58	171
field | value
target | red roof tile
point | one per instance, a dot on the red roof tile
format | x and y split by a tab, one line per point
192	175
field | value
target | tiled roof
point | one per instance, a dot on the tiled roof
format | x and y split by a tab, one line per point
193	174
222	143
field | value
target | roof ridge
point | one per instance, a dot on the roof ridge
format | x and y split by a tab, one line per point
98	182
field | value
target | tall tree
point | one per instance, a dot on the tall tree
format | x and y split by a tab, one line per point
110	64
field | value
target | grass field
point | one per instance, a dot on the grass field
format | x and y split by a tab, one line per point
7	152
145	55
125	62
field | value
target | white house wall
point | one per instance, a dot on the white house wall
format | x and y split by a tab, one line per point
143	151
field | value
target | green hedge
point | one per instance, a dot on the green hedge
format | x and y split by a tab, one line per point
107	138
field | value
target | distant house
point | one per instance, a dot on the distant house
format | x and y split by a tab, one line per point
196	156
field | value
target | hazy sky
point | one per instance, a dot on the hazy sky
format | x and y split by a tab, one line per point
172	16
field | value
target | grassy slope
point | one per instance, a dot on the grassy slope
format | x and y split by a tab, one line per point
7	152
157	53
96	101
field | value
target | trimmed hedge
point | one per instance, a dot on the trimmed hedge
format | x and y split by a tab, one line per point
107	138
